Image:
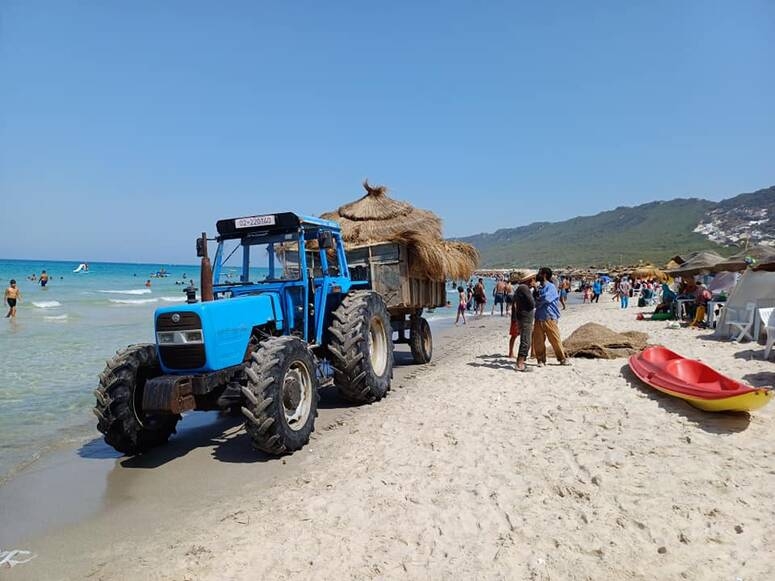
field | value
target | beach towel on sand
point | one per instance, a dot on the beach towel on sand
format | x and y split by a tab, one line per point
595	341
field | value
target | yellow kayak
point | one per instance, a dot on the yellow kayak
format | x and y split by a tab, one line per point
695	382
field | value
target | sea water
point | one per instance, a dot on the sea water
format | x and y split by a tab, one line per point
52	352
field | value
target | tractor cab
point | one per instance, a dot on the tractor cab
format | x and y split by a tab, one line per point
298	259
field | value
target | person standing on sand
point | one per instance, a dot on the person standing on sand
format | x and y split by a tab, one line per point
499	295
597	290
624	293
564	286
461	306
522	312
509	296
547	313
480	298
12	296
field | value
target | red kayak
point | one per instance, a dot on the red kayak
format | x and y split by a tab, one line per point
697	383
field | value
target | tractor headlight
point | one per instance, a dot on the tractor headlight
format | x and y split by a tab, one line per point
179	337
166	338
192	336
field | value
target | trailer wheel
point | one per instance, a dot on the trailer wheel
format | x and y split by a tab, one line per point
281	395
119	402
361	347
421	340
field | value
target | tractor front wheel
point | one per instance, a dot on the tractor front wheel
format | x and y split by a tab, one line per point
281	396
361	347
119	402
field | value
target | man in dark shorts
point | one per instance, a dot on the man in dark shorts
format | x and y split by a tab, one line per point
499	295
522	313
479	297
12	295
43	278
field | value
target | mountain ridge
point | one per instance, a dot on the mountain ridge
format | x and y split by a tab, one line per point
650	232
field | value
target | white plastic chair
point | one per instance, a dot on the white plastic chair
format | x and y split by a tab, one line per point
769	326
742	320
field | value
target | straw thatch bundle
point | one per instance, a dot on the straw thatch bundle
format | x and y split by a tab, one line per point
650	271
376	218
595	341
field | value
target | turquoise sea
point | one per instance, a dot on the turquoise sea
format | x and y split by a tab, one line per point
51	354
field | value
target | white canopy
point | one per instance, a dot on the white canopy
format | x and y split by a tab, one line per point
756	287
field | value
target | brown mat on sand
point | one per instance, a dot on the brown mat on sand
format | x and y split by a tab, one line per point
594	341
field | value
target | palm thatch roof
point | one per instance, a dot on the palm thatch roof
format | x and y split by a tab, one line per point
741	260
650	271
700	263
376	218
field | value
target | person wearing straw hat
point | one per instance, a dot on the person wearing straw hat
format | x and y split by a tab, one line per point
547	313
522	317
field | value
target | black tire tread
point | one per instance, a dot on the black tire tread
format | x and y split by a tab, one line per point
348	344
264	373
116	418
419	327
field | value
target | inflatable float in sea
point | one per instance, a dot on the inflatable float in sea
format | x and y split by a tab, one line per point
82	268
695	382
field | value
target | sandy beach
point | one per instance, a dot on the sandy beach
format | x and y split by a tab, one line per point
468	470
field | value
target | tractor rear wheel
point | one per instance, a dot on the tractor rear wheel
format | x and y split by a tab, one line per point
361	347
421	340
119	402
281	395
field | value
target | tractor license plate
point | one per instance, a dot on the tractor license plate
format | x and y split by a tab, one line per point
253	221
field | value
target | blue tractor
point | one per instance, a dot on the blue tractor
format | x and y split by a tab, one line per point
261	340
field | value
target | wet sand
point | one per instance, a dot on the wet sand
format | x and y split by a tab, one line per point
467	470
82	492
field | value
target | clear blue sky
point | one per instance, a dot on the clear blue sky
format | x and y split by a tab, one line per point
128	127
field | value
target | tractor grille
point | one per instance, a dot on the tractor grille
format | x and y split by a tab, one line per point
181	356
188	320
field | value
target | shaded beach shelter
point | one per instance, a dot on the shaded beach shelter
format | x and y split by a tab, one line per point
376	218
748	257
700	263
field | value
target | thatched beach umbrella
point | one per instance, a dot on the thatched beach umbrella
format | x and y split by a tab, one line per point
700	263
649	271
377	218
741	260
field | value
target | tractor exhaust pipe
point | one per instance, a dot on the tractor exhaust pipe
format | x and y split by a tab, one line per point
206	270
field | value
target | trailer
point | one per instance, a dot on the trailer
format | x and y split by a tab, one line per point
388	270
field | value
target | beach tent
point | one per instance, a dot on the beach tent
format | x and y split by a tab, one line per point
376	218
723	282
700	263
756	287
740	260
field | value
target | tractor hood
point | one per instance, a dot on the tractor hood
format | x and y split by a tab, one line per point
226	326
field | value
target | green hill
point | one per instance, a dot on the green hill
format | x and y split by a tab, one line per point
652	232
